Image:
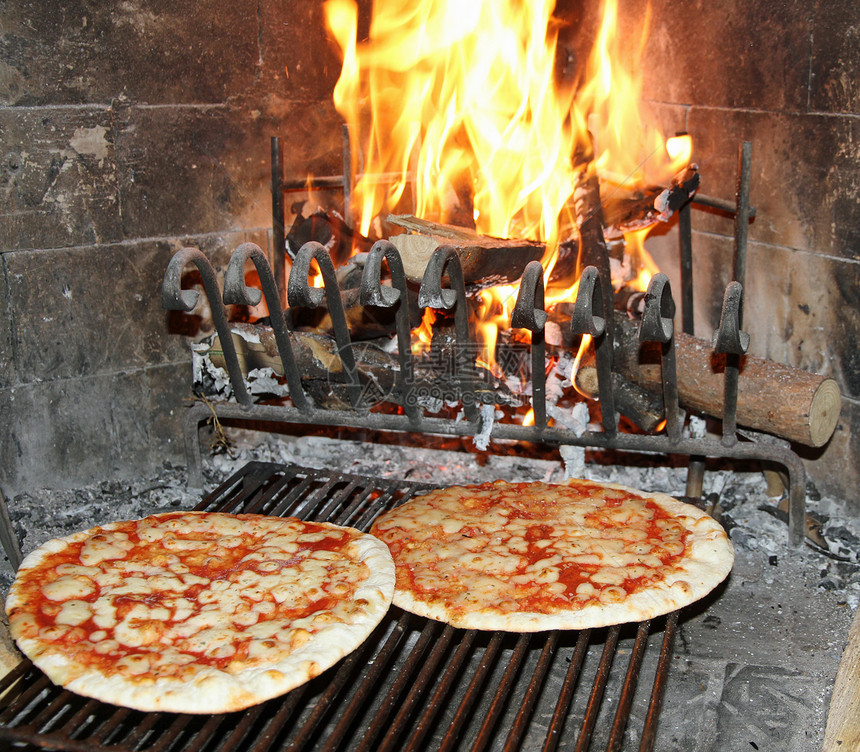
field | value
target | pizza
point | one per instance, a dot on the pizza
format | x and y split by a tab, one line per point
198	612
527	557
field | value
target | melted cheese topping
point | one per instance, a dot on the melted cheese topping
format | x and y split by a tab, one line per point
168	594
531	547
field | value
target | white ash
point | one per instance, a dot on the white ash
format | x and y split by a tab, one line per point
488	418
574	461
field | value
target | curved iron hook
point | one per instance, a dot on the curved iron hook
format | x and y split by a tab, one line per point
300	293
236	292
530	313
530	309
174	298
658	326
658	323
431	294
373	292
729	338
589	317
731	341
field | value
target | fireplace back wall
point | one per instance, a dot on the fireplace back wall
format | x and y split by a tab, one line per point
130	130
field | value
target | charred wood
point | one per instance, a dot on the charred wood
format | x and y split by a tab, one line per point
365	322
486	261
330	230
645	208
325	379
640	406
592	241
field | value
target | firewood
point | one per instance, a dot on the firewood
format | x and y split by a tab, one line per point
592	240
774	398
326	380
486	261
626	213
640	406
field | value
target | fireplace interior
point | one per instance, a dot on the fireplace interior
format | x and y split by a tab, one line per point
111	166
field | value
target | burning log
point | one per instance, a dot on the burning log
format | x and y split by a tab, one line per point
326	380
486	261
330	230
642	407
774	398
592	241
646	208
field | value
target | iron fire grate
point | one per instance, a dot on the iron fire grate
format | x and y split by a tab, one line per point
415	684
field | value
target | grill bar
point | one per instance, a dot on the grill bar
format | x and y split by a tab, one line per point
413	662
626	699
392	738
435	705
489	726
566	695
364	692
595	701
473	692
413	685
649	733
531	697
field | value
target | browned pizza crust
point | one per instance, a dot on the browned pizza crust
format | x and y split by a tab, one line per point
197	612
527	557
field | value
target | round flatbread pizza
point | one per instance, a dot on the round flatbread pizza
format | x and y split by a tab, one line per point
198	612
527	557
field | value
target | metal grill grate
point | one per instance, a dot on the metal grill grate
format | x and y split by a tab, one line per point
415	684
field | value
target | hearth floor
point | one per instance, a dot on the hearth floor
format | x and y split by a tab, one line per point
754	663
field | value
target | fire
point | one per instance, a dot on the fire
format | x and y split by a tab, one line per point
422	335
642	266
459	100
462	98
494	315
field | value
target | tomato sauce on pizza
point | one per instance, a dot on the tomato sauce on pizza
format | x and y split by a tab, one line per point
186	594
531	556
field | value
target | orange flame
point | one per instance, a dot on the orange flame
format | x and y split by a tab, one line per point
463	96
460	101
422	335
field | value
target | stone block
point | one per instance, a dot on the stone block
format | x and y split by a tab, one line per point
804	175
835	59
804	310
737	54
734	54
67	433
835	469
712	267
6	352
300	60
83	311
201	170
159	52
58	177
170	395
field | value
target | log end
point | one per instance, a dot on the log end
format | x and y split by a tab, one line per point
824	412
